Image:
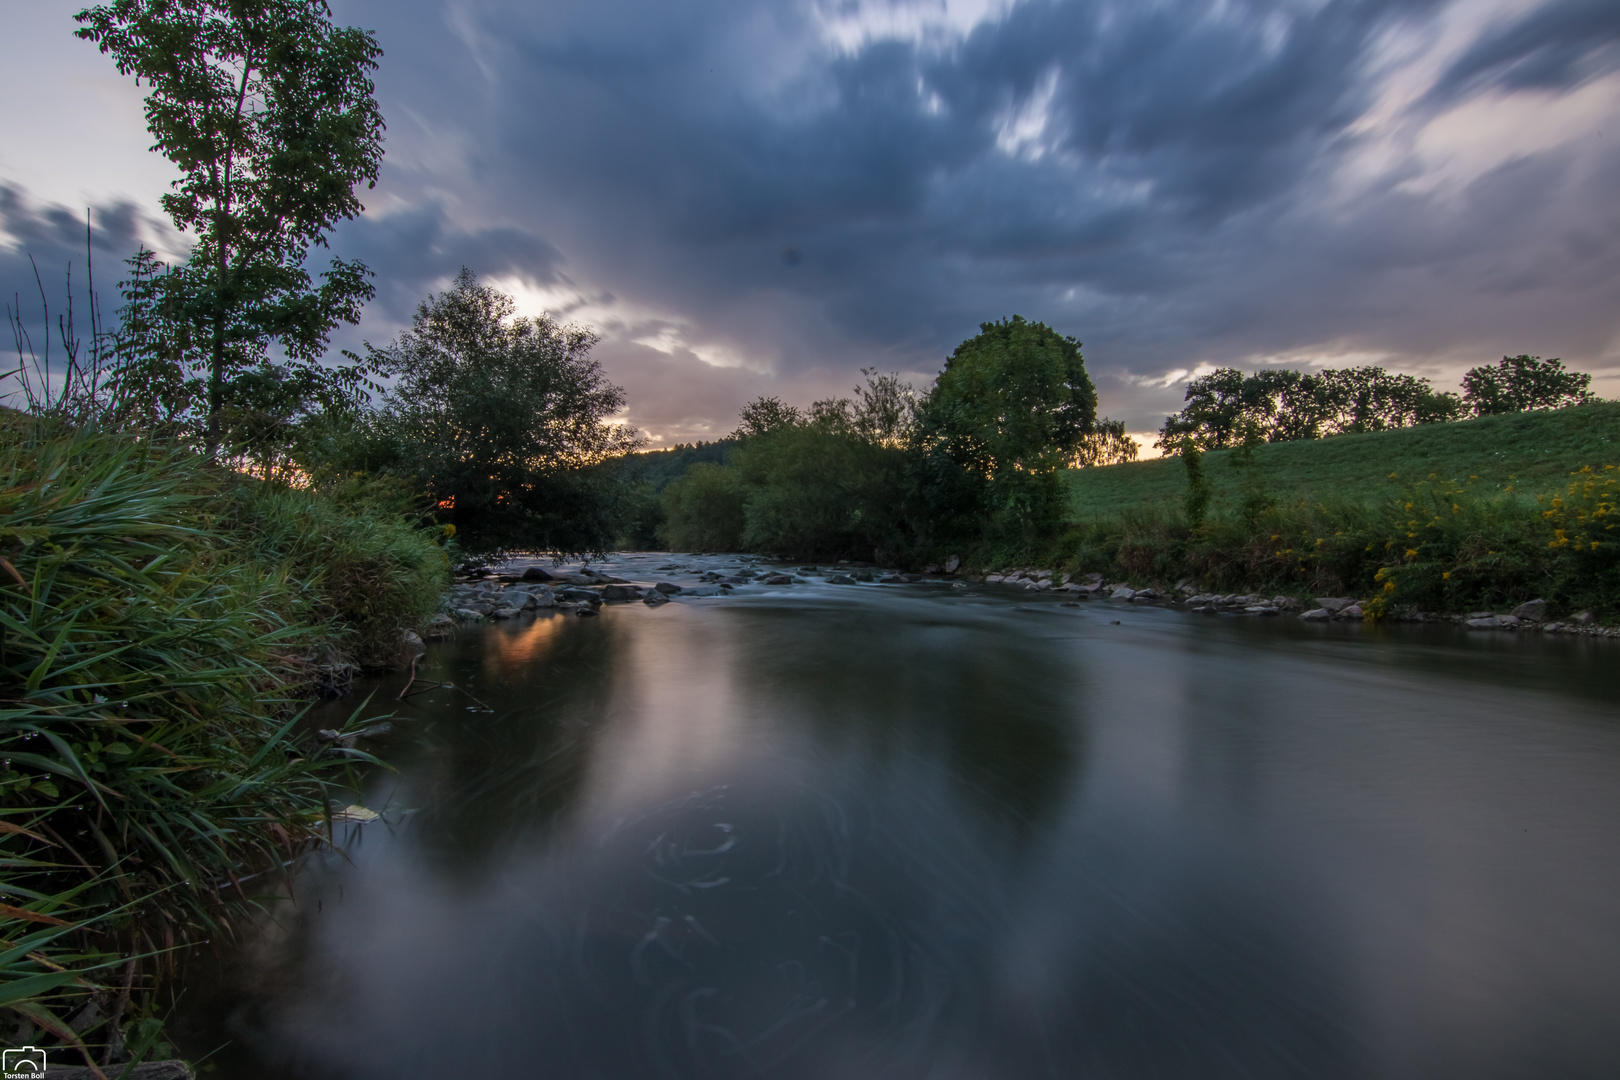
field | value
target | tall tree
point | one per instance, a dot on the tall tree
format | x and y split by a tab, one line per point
1011	408
501	420
267	109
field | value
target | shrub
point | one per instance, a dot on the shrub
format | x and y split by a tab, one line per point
704	510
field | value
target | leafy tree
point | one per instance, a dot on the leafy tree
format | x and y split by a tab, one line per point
1226	407
704	510
1522	384
503	421
763	415
266	107
885	409
1107	445
1011	407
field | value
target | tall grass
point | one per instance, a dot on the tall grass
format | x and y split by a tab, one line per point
151	661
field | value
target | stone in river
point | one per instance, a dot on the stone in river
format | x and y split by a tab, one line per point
585	609
1352	612
1122	592
536	573
1320	614
1532	610
778	579
892	579
840	579
667	587
953	564
620	592
1334	604
506	613
467	614
411	641
652	598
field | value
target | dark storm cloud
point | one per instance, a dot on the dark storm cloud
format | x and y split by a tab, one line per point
745	202
1552	47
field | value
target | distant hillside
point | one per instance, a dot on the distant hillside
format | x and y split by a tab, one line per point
1539	449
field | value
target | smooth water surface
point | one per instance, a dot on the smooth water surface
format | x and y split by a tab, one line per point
909	831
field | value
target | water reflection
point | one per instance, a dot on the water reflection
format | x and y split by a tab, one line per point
894	834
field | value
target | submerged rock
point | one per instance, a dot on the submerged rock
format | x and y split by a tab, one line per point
840	579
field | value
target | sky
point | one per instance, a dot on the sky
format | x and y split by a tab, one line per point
762	198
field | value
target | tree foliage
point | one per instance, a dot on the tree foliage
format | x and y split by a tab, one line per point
502	420
1106	445
1522	384
1012	406
267	109
1227	407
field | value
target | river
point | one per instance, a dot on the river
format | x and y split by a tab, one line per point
822	832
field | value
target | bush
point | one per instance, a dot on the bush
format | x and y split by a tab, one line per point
815	492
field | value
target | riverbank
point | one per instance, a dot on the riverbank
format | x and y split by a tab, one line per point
164	625
1455	519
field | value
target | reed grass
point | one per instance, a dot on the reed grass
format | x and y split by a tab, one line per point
157	623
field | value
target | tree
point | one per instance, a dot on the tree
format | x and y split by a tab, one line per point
1107	445
1522	384
764	415
266	107
503	421
1011	407
1227	408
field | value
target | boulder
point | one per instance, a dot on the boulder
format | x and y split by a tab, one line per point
1320	614
1122	592
892	579
667	587
543	599
1262	609
777	579
537	573
618	593
580	596
1284	603
1145	594
840	579
1585	618
1352	612
467	614
1532	611
953	564
584	609
652	598
506	613
411	641
994	579
1334	604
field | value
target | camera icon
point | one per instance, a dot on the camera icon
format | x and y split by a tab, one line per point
22	1063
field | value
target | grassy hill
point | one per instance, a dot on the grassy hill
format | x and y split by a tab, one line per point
1537	449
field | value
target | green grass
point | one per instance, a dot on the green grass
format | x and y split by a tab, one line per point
1539	449
158	619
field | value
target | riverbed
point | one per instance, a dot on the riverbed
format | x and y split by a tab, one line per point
915	830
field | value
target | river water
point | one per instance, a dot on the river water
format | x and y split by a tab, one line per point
851	832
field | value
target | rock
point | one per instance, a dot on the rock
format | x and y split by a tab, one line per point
584	609
441	619
959	585
864	577
912	578
580	596
667	587
467	614
1352	612
1320	614
953	564
1262	609
1334	604
1122	592
840	579
1093	579
545	599
1531	610
777	579
994	579
506	613
1585	618
535	573
1284	603
618	593
892	579
1145	594
652	598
